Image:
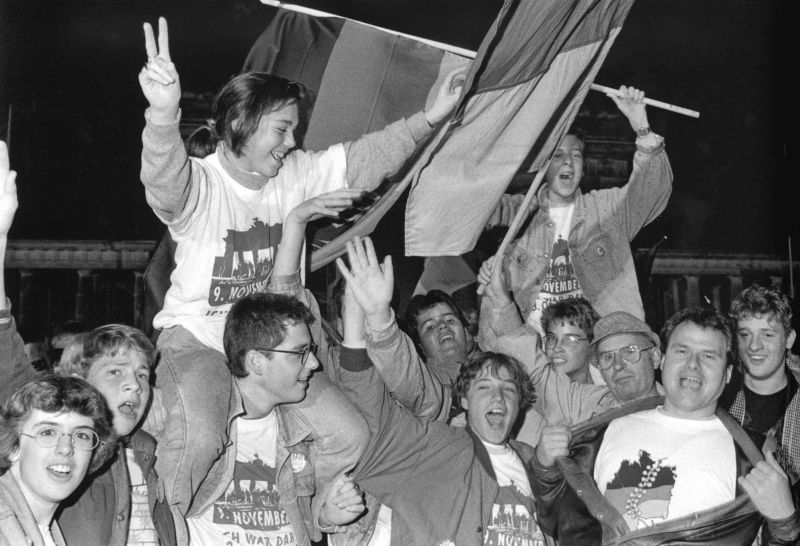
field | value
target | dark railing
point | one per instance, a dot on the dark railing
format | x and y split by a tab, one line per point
51	281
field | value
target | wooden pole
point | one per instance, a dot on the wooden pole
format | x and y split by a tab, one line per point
519	218
650	102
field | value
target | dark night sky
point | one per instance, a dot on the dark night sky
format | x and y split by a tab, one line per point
69	69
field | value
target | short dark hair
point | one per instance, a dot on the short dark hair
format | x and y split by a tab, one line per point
495	361
759	301
56	394
423	302
240	104
259	320
707	318
577	312
106	340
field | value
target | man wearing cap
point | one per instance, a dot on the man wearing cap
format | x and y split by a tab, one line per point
672	472
559	399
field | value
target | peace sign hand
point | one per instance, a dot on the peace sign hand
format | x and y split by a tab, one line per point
159	77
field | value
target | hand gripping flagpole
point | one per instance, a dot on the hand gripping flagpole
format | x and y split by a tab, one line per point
519	218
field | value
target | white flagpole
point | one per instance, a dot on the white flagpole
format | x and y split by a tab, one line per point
467	53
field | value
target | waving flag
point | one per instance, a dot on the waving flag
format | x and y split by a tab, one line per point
528	80
360	79
523	90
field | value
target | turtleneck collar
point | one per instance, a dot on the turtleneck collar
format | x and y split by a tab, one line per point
251	181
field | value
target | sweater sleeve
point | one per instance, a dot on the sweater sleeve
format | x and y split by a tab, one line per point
166	170
14	367
647	192
376	156
423	390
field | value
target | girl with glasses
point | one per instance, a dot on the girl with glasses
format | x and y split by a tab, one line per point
53	431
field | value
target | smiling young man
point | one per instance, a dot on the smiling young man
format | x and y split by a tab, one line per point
568	331
263	487
444	484
578	244
764	395
684	458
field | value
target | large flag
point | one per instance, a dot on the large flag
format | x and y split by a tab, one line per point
528	80
523	90
360	79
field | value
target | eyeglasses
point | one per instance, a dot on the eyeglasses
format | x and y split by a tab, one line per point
84	439
312	348
630	355
568	341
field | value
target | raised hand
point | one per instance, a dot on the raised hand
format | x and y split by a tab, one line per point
325	205
495	284
631	103
8	192
371	282
345	503
768	488
447	96
159	77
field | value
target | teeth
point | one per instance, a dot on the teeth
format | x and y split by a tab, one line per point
278	155
60	468
128	408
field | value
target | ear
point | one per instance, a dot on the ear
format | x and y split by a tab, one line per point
790	339
254	362
658	358
14	457
728	373
464	403
660	362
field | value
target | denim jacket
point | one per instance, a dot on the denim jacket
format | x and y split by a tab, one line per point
296	487
603	224
17	525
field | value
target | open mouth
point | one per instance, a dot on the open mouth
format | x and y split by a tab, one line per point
59	471
278	156
496	417
757	358
128	409
446	337
691	382
566	176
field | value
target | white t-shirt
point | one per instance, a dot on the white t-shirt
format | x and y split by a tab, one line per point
141	531
513	513
228	235
560	282
249	511
653	467
47	534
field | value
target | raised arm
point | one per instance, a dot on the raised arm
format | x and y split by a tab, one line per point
166	168
768	488
14	367
378	155
645	196
409	380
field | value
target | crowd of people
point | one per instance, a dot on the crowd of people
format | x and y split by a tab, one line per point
565	420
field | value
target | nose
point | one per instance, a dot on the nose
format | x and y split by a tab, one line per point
619	363
64	445
311	362
755	342
497	394
289	141
131	383
694	362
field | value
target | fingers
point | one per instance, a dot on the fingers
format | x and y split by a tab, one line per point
156	70
5	164
150	41
163	39
387	269
774	464
349	496
455	80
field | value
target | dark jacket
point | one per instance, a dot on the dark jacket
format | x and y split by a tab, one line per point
99	511
582	514
437	479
